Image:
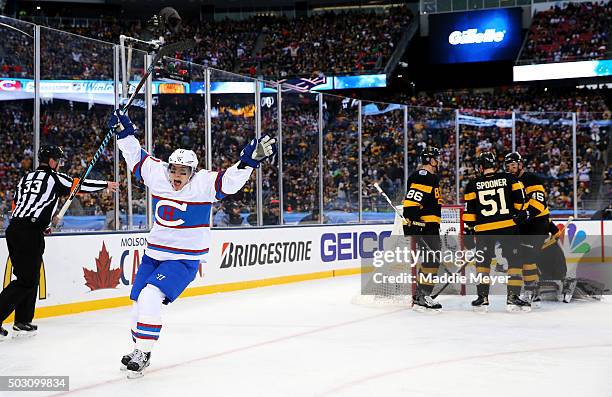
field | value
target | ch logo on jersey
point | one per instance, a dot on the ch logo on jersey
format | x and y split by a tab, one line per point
165	217
181	214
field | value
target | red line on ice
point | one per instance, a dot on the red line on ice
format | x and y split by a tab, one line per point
231	351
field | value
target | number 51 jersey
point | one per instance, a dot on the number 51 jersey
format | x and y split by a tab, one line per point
492	201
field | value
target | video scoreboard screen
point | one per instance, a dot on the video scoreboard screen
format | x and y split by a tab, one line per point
475	36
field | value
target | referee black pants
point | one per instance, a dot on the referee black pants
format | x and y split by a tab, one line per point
26	245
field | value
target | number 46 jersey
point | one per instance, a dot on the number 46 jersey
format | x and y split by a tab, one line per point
493	200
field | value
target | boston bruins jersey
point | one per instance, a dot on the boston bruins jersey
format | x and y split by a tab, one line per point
535	195
492	201
423	202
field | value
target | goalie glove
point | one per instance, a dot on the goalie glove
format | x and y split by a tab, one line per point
121	124
257	151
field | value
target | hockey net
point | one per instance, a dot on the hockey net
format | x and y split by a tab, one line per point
374	293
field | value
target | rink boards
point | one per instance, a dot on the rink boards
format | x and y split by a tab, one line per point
95	271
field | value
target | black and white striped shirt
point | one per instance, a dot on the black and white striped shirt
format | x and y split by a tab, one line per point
38	191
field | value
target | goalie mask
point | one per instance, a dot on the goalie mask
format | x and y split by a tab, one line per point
182	166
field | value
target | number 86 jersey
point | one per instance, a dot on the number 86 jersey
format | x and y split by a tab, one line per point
423	201
493	201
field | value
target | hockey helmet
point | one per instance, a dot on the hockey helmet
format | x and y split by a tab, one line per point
184	157
428	154
514	157
486	160
47	152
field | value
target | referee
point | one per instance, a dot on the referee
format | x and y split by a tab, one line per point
35	202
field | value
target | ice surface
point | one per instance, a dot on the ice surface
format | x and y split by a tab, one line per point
307	339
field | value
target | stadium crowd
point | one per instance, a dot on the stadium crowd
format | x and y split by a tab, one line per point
569	32
331	43
179	121
290	47
544	137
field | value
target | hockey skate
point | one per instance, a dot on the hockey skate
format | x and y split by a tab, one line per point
137	365
425	304
481	304
3	334
515	304
24	330
532	296
569	286
125	360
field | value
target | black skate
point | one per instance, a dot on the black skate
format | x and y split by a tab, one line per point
481	304
3	333
140	361
424	303
22	330
515	304
125	360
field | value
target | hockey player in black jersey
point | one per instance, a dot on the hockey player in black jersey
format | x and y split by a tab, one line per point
422	210
535	229
495	207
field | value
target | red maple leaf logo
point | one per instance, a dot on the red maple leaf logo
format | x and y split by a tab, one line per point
103	276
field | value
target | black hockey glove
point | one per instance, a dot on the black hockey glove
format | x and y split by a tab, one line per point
521	217
414	228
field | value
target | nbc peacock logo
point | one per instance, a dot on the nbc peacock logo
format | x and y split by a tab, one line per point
576	240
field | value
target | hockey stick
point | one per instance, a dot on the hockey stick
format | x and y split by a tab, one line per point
434	296
554	238
163	51
391	204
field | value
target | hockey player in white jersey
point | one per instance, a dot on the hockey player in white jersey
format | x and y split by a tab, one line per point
180	237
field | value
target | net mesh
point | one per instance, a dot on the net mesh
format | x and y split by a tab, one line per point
399	292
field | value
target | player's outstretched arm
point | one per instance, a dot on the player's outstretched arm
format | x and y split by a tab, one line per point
137	159
233	179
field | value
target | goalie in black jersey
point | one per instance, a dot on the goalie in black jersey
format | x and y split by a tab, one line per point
422	211
535	229
495	206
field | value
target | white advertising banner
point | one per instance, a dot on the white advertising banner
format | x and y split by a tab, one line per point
84	268
79	268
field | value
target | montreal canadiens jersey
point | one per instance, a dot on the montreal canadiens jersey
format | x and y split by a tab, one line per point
181	224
